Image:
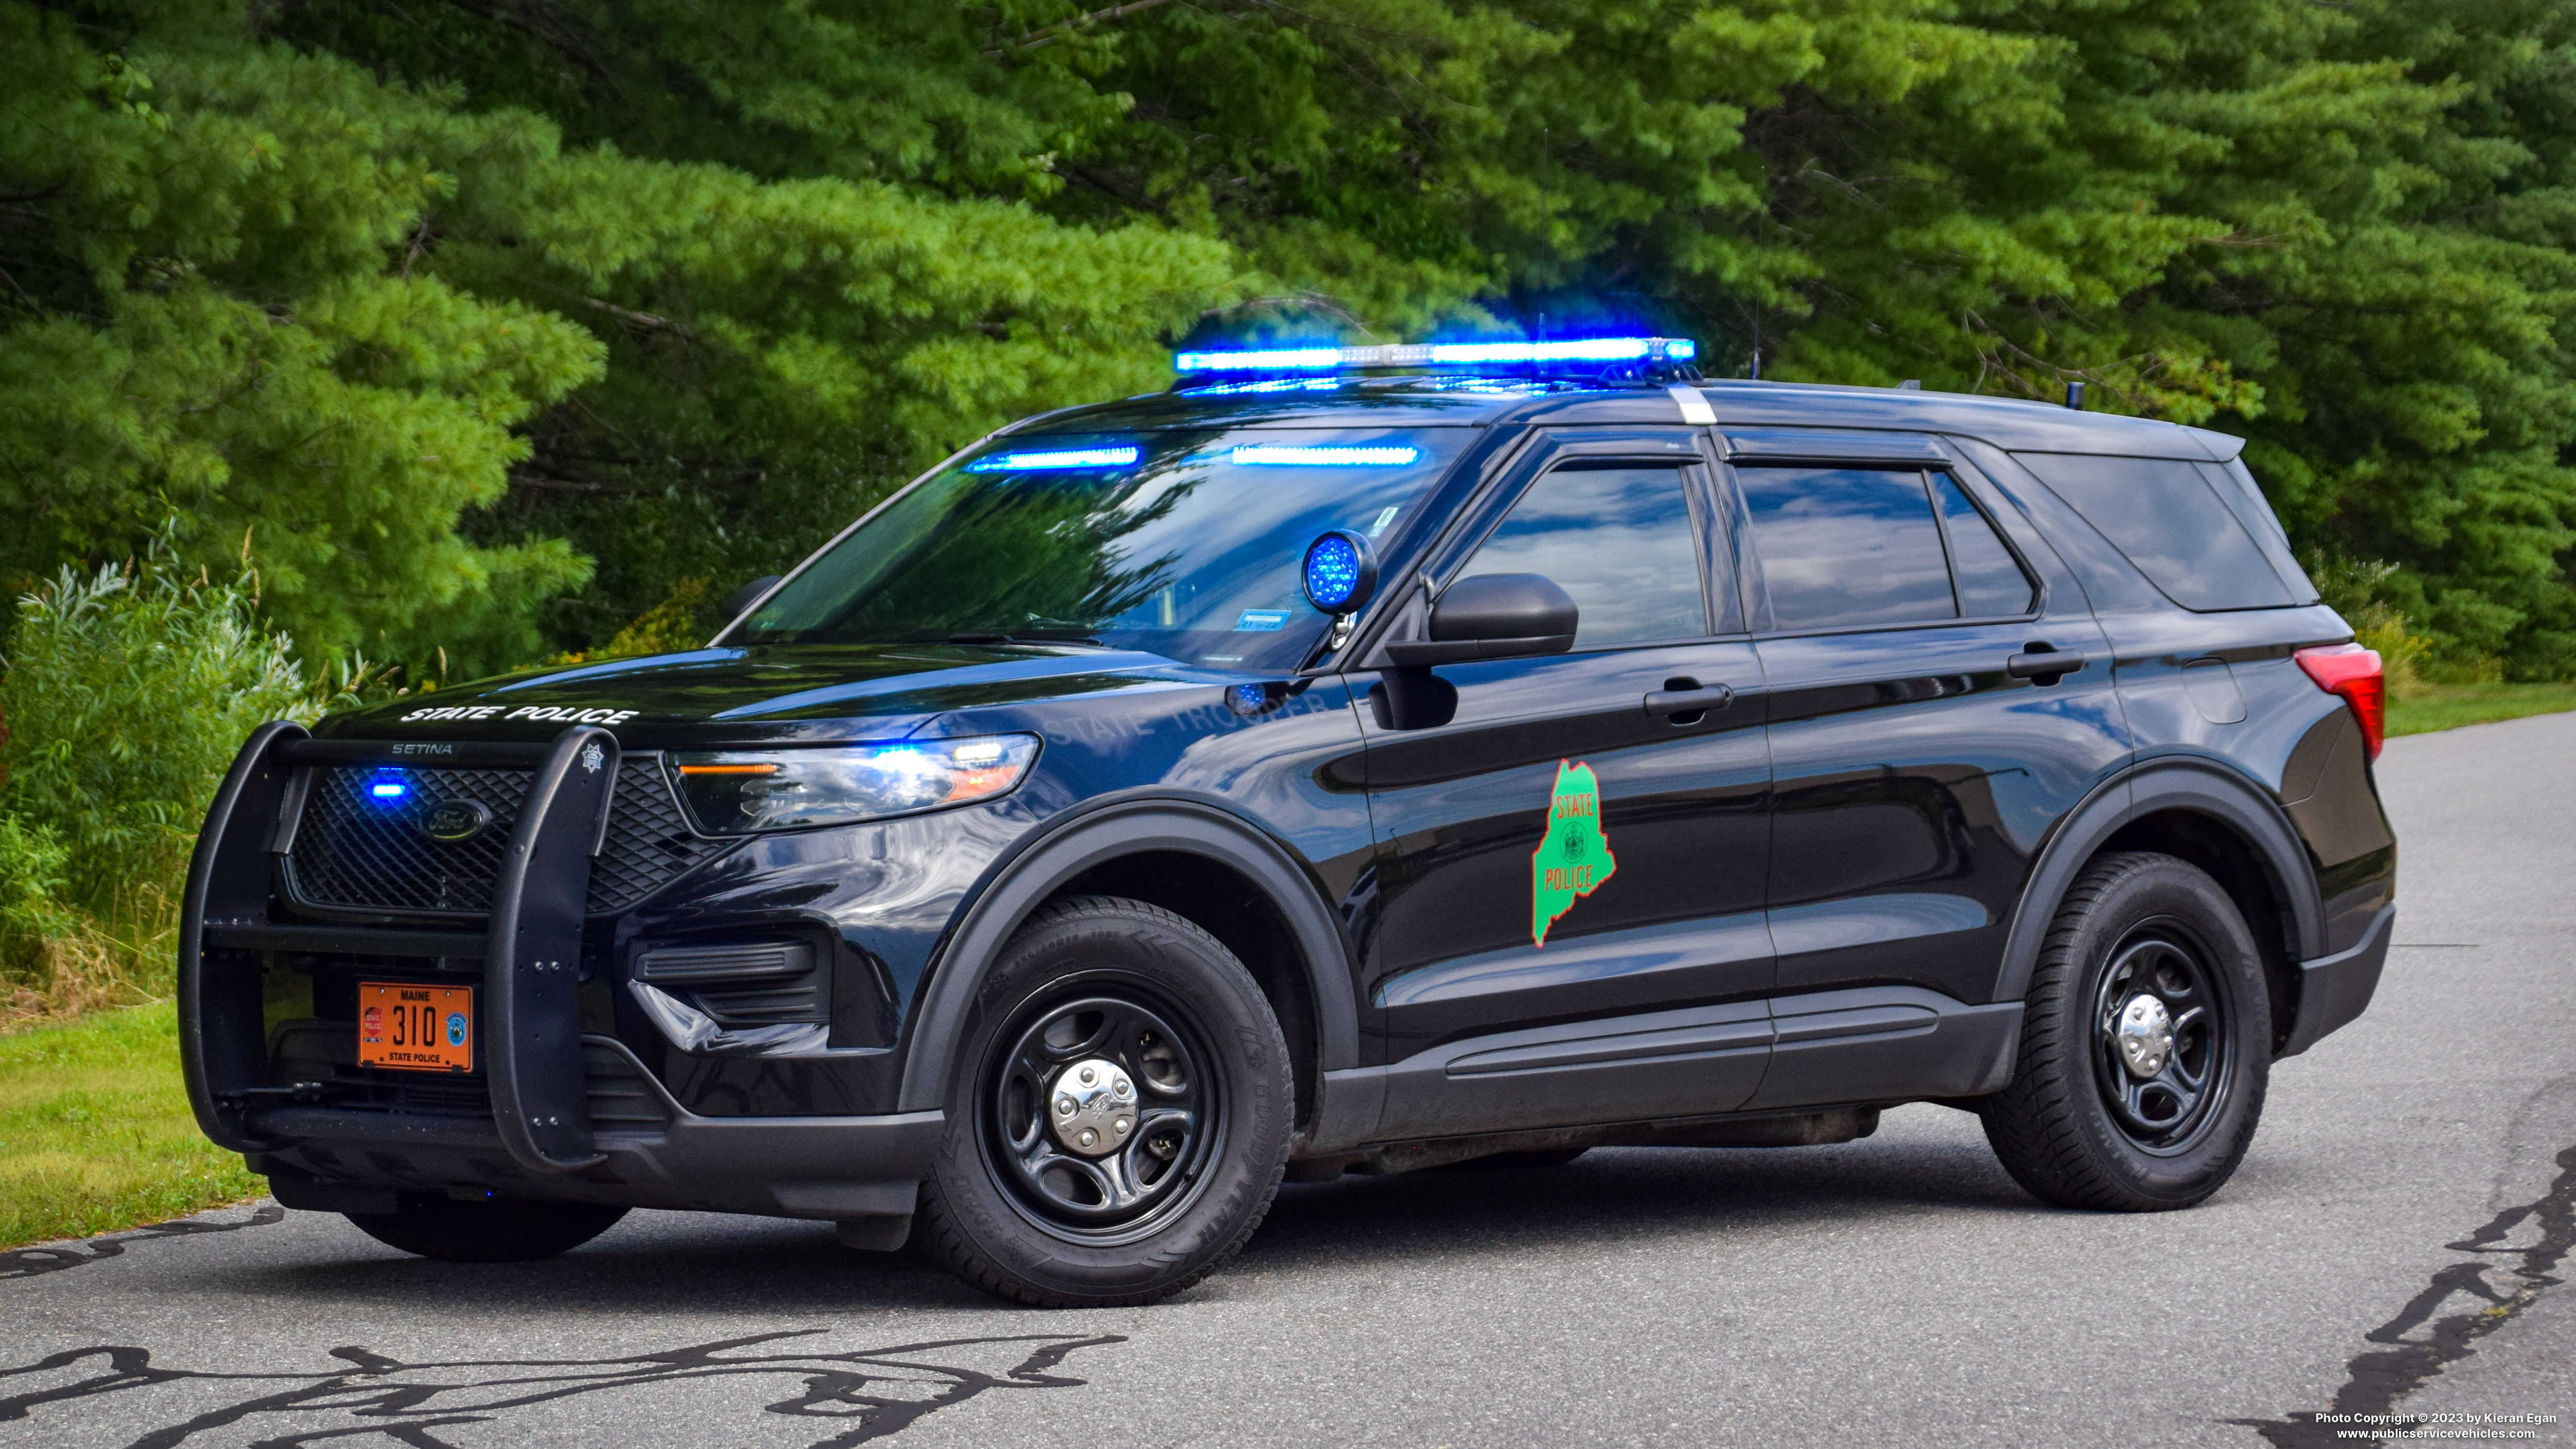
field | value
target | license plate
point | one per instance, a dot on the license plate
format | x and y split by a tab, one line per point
416	1028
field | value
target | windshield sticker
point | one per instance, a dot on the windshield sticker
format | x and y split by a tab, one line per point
1575	858
1261	621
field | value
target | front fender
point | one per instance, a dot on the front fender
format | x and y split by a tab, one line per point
947	1008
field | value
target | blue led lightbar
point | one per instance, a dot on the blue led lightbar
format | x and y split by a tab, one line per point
1278	455
1438	354
1118	457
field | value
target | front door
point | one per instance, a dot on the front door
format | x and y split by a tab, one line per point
1915	775
1569	845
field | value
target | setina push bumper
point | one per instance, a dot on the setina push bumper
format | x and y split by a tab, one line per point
572	1116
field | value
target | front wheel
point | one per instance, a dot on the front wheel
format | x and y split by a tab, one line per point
1118	1124
2145	1047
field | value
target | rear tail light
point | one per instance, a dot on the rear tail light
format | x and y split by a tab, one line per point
2353	672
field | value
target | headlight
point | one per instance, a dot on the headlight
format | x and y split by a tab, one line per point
736	792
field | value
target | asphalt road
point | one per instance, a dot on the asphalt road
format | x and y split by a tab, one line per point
2394	1240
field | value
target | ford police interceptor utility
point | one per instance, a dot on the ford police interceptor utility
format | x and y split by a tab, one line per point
1349	760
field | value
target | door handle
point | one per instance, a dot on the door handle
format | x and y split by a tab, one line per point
2043	663
1685	696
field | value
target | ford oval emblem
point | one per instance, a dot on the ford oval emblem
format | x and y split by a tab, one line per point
452	821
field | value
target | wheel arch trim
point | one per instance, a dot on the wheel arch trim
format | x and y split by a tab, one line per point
1024	879
2200	786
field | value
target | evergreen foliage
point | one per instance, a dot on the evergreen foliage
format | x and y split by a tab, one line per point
487	322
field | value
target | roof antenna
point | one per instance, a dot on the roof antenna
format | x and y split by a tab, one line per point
2075	395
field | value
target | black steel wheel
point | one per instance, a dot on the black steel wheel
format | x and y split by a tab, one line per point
1102	1114
2145	1046
1118	1123
2160	1041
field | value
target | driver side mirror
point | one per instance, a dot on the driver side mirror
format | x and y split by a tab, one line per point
1493	616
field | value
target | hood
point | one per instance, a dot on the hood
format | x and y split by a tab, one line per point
794	693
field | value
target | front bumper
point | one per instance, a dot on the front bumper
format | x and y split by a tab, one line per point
838	1168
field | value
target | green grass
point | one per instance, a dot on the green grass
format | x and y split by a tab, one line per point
2448	706
95	1132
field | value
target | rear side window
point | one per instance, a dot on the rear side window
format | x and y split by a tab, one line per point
1990	582
2163	515
1854	547
1617	538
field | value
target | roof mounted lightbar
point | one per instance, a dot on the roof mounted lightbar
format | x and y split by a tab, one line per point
1439	354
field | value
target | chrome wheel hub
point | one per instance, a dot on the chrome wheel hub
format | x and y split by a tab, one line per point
1091	1108
2145	1035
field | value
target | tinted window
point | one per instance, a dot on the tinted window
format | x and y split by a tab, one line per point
2237	486
1990	581
1619	540
1845	546
2163	515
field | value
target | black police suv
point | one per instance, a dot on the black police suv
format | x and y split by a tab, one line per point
1340	772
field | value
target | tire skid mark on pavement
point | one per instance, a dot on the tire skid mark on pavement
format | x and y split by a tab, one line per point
2375	1381
875	1392
32	1262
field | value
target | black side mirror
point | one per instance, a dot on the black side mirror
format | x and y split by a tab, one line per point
748	595
1493	616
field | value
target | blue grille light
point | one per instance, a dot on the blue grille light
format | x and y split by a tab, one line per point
389	789
1339	573
1059	458
1277	455
1438	354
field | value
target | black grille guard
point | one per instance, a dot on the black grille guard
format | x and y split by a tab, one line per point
530	949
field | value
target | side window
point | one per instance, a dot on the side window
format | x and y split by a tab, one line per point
2163	515
1618	538
1990	582
1847	546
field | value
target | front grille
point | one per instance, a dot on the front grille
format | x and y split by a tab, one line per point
621	1097
355	852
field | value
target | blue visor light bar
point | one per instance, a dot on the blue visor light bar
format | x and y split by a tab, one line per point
1281	456
1439	354
1056	459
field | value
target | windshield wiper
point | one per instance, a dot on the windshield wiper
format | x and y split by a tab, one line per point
1082	639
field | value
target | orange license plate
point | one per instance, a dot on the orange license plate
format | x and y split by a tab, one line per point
417	1028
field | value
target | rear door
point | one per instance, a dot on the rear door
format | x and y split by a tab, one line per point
1914	774
1566	846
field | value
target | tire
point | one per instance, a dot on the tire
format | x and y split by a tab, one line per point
1016	1203
491	1231
2085	1123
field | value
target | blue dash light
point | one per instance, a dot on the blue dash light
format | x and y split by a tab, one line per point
1051	460
1283	456
1439	354
1339	572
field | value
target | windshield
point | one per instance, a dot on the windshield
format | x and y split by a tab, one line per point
1185	544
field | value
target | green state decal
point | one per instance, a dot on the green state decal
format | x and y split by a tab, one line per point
1575	858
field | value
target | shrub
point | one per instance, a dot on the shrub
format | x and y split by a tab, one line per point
127	693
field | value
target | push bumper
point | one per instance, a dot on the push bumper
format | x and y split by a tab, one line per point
2335	989
573	1117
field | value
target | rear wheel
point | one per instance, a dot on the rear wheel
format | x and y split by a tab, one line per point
2145	1048
490	1231
1118	1126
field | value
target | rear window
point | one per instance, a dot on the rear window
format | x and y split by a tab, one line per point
2167	519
